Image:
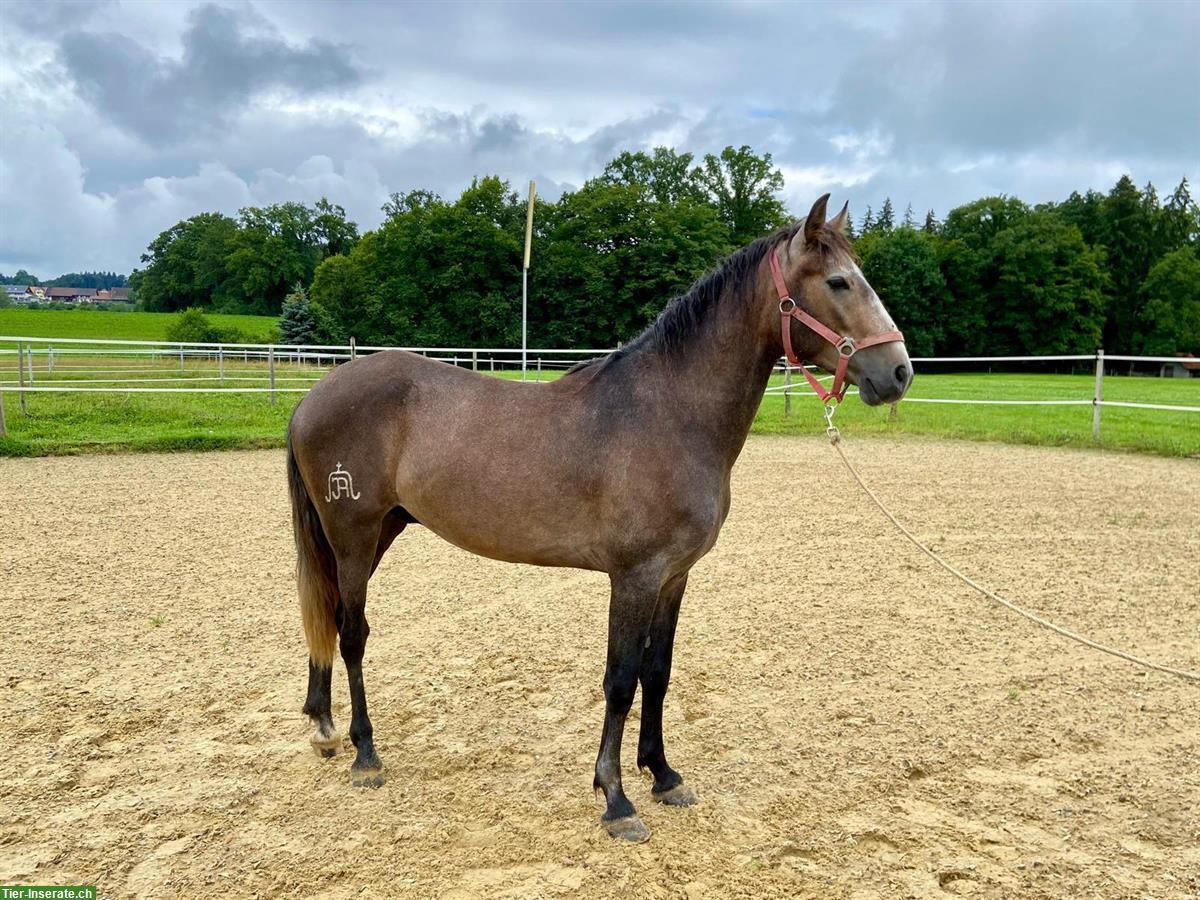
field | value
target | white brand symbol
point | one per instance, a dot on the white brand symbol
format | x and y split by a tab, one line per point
340	485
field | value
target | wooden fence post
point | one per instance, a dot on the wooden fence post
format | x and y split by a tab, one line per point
3	424
271	370
353	349
21	374
474	360
29	361
787	388
1097	395
180	359
221	364
50	358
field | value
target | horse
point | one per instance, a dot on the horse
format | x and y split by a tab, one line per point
631	477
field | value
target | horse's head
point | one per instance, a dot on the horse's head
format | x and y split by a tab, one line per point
824	280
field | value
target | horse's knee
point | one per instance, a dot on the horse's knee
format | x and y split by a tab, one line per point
619	690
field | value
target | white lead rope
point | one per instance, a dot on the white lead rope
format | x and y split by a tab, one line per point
835	439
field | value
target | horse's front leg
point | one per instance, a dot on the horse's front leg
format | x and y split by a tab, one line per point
630	611
655	676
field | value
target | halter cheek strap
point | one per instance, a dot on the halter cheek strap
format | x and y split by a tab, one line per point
845	346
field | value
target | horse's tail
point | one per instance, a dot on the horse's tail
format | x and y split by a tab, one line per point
316	570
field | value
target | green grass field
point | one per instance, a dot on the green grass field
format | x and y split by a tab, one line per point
125	326
88	423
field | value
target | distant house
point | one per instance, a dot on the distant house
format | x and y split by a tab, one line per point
120	294
1187	367
19	293
70	295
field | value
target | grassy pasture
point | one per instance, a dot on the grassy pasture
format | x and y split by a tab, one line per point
95	422
124	326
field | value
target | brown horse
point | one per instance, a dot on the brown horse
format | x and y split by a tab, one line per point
630	477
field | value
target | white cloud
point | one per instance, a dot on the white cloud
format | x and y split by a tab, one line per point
121	119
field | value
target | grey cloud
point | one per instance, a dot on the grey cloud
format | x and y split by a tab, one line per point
931	103
976	78
221	69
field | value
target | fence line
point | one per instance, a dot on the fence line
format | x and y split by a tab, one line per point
154	357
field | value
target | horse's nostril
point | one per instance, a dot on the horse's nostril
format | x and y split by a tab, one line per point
901	375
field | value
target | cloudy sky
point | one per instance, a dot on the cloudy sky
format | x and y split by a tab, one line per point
121	118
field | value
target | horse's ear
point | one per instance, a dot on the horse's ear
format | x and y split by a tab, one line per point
838	222
816	219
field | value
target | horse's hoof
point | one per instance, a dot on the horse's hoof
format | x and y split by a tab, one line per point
326	746
680	795
628	828
367	778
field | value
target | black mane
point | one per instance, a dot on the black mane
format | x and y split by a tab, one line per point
729	280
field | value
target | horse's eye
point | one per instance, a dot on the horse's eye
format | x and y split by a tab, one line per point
838	283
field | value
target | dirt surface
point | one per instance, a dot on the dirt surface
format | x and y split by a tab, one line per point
856	724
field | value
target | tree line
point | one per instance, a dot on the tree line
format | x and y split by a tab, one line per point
996	276
101	281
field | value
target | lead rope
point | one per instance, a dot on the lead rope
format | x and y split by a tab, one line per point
835	439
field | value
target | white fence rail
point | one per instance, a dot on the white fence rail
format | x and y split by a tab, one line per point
35	365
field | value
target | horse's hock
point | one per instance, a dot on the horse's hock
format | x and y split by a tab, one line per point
852	719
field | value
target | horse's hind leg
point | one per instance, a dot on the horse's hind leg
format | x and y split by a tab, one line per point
318	704
325	739
357	555
655	675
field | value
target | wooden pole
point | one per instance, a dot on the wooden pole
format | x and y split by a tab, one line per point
50	358
3	424
21	374
1097	395
353	349
29	361
474	360
271	370
525	277
221	364
787	390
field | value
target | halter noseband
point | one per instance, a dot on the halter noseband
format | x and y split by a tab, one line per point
846	347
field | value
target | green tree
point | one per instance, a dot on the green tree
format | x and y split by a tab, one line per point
1170	312
344	302
887	217
185	265
902	266
433	274
297	324
1125	233
1180	219
977	223
192	325
280	246
667	175
743	187
22	277
615	256
398	204
1048	295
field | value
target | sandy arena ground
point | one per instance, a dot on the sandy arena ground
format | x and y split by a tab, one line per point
856	724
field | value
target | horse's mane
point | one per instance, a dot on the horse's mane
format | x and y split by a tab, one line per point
730	280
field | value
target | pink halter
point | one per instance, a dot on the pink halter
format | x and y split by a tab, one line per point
845	346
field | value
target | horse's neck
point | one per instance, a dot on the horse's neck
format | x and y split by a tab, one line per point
719	377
